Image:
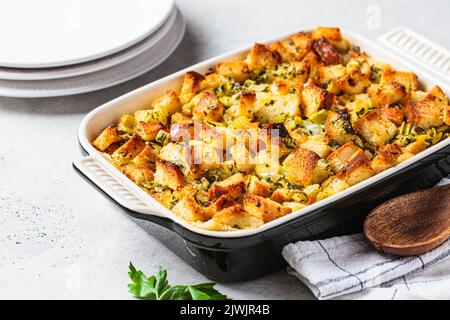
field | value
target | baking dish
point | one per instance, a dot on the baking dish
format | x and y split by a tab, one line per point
245	254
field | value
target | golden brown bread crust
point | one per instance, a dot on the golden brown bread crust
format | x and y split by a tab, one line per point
263	208
169	174
299	166
130	149
108	136
260	58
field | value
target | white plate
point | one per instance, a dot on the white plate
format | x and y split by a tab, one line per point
91	66
49	33
100	79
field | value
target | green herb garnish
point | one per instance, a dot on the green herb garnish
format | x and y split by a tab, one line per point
157	287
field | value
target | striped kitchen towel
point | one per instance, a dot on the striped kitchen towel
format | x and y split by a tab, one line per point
349	264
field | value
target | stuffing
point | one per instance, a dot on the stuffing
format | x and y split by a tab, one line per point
128	151
386	158
302	167
237	70
332	186
191	86
263	208
339	128
258	187
207	106
233	186
169	175
342	156
142	176
375	128
354	82
357	170
315	98
385	95
297	46
190	210
408	80
328	55
260	58
108	136
277	129
333	36
430	111
232	218
147	130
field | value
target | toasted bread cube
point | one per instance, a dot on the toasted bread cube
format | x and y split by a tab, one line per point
415	147
394	114
236	70
281	86
178	118
343	155
108	136
258	187
223	202
278	108
146	158
168	175
246	104
168	101
315	98
188	209
430	111
139	175
263	208
147	130
128	150
357	170
260	58
376	128
338	127
285	55
207	106
191	86
302	68
231	218
300	167
233	186
386	158
126	124
354	82
333	35
385	95
318	146
297	46
294	206
327	53
242	158
332	186
282	195
327	74
409	80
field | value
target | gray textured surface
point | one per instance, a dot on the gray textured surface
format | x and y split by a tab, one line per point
61	239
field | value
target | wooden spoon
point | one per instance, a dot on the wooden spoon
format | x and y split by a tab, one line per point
410	224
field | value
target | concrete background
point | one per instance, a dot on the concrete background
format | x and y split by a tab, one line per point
59	238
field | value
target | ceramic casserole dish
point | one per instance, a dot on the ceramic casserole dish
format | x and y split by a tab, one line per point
251	253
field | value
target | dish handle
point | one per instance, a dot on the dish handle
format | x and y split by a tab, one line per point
92	170
419	51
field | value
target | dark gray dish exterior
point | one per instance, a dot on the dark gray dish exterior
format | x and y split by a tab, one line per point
250	257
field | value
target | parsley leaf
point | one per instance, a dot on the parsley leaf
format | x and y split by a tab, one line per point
157	287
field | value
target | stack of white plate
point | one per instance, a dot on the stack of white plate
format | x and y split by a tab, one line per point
62	47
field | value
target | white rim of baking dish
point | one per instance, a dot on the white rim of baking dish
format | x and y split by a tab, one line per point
157	209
